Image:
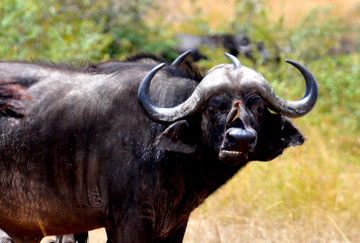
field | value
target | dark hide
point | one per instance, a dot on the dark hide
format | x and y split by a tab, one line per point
86	156
185	69
12	97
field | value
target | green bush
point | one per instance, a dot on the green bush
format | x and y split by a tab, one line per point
81	30
48	30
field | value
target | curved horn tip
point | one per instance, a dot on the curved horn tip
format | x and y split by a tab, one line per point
289	61
143	91
233	59
151	74
294	63
159	66
311	92
181	58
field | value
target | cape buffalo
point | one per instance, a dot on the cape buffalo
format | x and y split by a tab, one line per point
111	66
107	149
11	95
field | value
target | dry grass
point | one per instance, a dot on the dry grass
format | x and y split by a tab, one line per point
295	10
219	13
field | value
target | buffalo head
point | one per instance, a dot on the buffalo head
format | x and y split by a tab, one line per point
234	104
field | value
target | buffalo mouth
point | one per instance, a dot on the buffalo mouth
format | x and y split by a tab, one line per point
234	158
234	154
238	145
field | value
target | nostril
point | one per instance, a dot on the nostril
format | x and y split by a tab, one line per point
241	139
230	138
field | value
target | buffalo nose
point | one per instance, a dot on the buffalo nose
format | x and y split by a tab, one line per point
241	139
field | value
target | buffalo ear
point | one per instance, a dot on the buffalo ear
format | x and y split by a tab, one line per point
277	134
176	138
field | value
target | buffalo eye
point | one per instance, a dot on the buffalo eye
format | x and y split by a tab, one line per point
211	111
256	104
260	109
217	106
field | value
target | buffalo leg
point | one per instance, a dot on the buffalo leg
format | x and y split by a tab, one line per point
176	236
65	239
75	238
109	235
81	237
4	238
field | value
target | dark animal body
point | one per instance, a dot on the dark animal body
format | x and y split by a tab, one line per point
87	155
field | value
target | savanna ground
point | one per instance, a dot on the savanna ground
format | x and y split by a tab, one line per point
310	193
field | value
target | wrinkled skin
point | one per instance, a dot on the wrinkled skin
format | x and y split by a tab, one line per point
86	146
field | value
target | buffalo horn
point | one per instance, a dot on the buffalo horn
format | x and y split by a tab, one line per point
167	115
234	60
180	58
298	108
208	88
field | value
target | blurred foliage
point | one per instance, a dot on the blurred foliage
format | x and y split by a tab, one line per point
310	39
74	29
51	30
310	42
